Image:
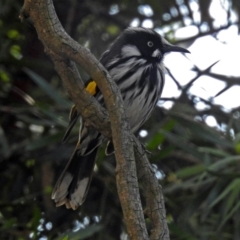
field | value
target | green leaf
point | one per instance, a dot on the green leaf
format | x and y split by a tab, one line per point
65	238
13	34
158	138
4	146
237	206
83	233
8	223
190	171
15	51
233	197
235	183
187	184
113	29
54	116
201	131
182	143
4	76
223	163
181	233
47	88
214	151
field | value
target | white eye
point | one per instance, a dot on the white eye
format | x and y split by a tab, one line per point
150	43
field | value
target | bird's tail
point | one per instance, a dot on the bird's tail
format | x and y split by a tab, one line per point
73	184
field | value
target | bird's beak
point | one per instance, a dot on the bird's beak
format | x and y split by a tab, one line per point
172	48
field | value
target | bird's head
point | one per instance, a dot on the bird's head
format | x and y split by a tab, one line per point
144	43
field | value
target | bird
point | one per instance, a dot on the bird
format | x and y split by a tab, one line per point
135	62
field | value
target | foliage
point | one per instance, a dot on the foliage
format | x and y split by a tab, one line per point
197	165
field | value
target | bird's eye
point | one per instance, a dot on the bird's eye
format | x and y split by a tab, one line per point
150	43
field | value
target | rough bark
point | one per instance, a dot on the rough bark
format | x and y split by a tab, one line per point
153	194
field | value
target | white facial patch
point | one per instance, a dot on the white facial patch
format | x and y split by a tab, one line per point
130	51
157	53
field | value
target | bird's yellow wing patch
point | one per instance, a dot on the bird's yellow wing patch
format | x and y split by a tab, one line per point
92	87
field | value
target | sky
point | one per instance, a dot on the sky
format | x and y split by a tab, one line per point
204	52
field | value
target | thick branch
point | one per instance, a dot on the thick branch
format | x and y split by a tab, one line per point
61	48
153	194
85	103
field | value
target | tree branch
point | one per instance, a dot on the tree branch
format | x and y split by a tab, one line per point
153	194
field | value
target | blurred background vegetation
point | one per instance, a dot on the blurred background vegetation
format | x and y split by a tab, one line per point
198	165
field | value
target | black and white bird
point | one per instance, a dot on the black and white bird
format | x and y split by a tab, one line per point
135	63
